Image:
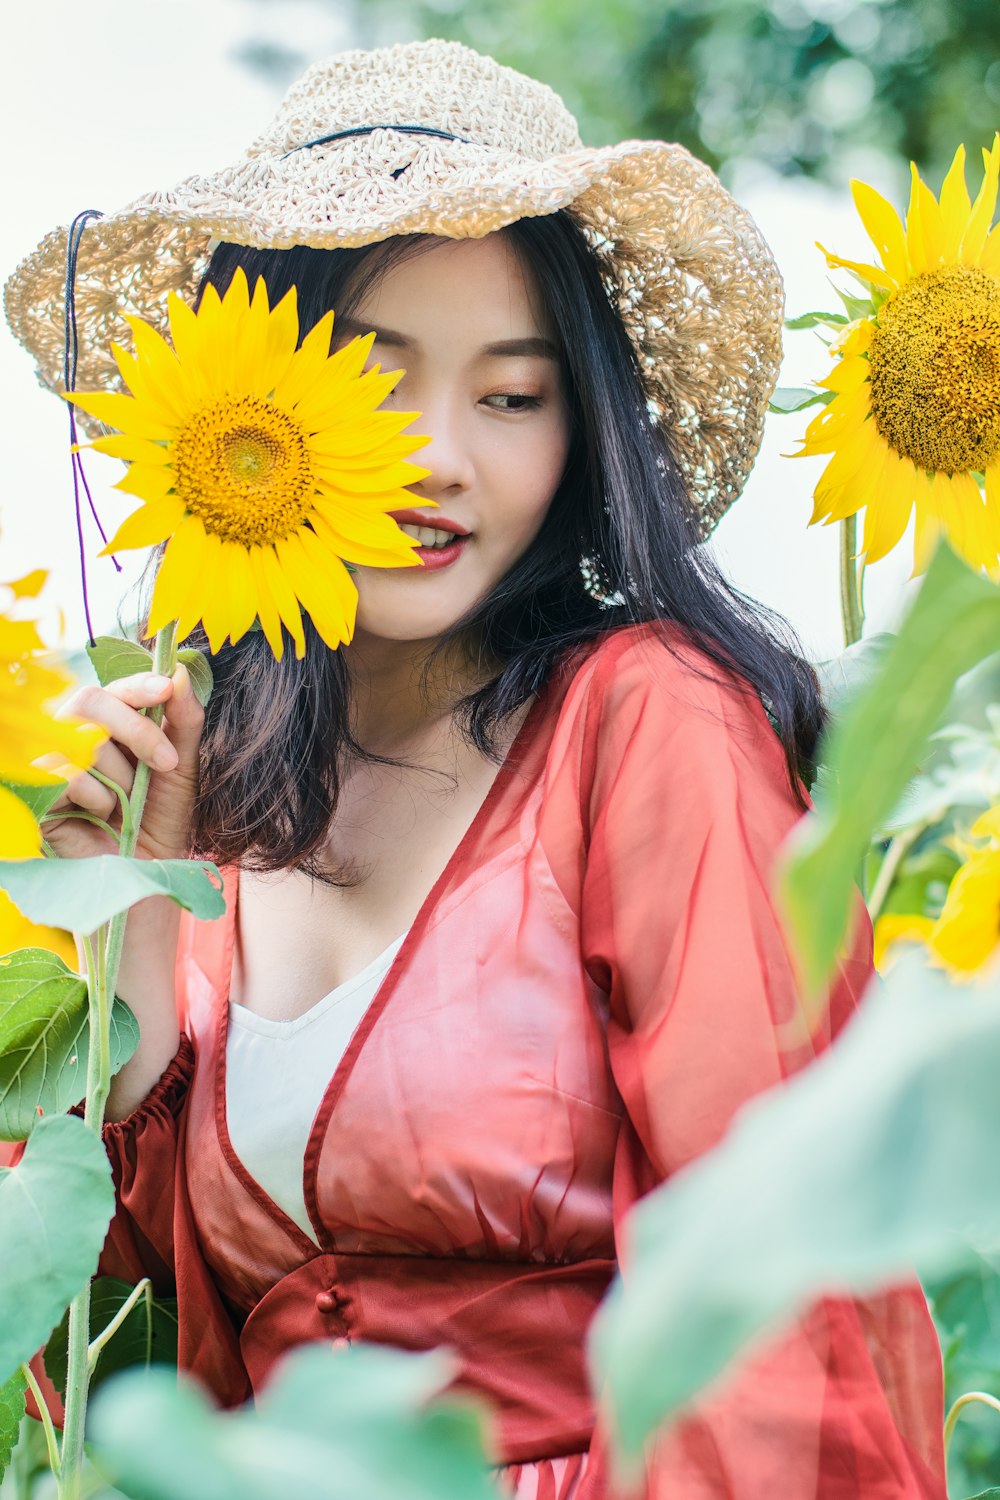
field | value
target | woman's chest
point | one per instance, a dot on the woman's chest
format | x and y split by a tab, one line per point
394	835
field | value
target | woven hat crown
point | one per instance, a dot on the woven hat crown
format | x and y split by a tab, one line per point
441	86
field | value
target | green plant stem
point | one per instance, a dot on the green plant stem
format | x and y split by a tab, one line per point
164	661
982	1397
852	575
104	952
899	846
143	1289
51	1442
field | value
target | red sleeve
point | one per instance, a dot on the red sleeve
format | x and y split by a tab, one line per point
687	800
143	1153
153	1232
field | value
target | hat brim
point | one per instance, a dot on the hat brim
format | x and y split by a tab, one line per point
687	269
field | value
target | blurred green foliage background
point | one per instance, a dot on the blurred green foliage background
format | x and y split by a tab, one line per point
800	86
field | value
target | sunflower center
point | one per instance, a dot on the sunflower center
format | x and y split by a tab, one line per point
243	469
935	370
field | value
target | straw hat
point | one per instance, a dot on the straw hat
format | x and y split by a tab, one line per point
685	266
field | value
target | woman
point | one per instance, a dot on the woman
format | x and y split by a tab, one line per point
499	953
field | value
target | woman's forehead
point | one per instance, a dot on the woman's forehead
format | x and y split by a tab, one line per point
479	289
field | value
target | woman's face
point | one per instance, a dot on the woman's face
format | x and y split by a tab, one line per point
481	368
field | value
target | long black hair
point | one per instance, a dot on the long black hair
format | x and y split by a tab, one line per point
618	546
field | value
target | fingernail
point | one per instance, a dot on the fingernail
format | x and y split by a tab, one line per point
156	684
165	758
182	681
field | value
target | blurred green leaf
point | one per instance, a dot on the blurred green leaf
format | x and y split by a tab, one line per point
11	1415
360	1424
873	750
55	1208
80	894
966	1308
842	677
142	1339
879	1156
45	1038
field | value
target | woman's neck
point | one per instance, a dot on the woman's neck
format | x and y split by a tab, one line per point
395	707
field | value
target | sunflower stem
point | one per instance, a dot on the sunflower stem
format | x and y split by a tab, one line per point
970	1397
103	951
851	582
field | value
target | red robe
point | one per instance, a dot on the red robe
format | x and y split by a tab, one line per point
595	984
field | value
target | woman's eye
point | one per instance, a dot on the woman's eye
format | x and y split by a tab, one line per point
514	403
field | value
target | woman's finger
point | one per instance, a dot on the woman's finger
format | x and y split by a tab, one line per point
116	712
96	797
185	721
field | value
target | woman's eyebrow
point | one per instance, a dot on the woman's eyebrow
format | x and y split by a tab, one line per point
536	347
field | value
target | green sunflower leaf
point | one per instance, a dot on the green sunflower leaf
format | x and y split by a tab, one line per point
147	1336
45	1037
80	894
814	319
55	1208
788	399
11	1413
38	798
112	657
200	672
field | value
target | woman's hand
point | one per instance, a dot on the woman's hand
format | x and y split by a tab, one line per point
145	978
171	751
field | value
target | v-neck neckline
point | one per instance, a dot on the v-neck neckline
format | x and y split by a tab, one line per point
323	1243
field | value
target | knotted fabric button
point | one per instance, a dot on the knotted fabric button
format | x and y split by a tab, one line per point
327	1302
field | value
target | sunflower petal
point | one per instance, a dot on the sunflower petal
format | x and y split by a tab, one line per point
871	274
124	413
241	589
177	590
315	590
132	449
884	229
146	482
284	598
924	226
955	205
267	610
981	216
282	337
150	524
890	504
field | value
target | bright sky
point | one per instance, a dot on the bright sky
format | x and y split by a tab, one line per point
105	101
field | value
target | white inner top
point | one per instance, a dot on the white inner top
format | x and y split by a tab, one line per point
277	1073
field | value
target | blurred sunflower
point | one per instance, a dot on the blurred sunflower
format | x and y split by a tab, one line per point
29	683
966	935
913	418
266	465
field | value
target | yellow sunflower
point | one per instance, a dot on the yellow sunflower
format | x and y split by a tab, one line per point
29	684
966	935
914	419
267	465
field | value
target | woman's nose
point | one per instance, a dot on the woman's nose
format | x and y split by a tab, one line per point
447	455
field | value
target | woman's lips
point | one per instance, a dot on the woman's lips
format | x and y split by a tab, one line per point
417	518
434	558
